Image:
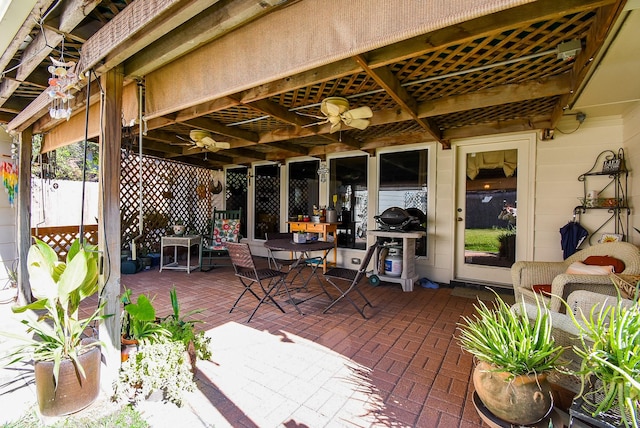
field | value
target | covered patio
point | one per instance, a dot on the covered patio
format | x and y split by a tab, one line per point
401	368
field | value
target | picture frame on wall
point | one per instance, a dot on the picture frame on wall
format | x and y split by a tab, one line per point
611	237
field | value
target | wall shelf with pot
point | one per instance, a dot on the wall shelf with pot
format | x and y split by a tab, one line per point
605	188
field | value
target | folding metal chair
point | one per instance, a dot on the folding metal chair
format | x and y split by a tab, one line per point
354	277
269	280
276	259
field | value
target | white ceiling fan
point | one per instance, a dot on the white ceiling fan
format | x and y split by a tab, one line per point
336	111
201	139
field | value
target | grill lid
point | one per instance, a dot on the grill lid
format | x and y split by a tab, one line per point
394	218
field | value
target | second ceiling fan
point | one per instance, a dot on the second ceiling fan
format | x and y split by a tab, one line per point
201	139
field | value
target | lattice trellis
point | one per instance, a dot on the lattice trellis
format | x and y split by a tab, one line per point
171	191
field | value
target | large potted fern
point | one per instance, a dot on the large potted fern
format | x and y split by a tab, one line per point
66	361
513	356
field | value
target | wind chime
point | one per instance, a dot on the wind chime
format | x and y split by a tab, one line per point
10	175
63	79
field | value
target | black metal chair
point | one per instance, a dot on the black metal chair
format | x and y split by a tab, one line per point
353	277
268	280
225	227
280	259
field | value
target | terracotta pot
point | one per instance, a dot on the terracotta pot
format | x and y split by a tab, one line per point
73	393
524	400
128	347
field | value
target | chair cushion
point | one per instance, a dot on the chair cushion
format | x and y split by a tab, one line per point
618	265
583	269
225	230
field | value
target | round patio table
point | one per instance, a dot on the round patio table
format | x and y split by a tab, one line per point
303	251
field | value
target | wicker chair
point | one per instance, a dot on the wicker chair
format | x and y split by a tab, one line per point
527	274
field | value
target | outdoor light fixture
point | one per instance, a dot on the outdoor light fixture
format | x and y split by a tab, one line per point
323	171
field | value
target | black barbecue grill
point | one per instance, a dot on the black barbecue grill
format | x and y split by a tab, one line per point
397	219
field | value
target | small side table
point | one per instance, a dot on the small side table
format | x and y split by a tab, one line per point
180	241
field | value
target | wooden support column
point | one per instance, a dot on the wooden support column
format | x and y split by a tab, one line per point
109	220
24	215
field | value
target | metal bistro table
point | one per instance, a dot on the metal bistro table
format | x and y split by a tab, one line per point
303	251
180	241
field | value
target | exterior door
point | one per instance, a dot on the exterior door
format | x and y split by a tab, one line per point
492	205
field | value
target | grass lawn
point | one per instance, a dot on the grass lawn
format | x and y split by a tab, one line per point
95	416
486	240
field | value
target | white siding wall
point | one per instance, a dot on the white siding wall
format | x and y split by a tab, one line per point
631	144
559	164
8	248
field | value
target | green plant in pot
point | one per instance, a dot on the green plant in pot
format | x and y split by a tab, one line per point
513	355
183	330
610	366
67	362
139	323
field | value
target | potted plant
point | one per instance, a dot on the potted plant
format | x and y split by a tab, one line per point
139	324
67	363
513	355
161	366
610	366
179	228
163	363
183	330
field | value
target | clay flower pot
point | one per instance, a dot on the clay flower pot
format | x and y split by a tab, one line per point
524	400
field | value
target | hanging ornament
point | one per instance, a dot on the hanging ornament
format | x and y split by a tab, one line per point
10	180
63	79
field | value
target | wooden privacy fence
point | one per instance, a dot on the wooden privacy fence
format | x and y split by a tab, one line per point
60	238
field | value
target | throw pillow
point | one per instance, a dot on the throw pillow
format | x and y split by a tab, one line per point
544	289
225	230
618	265
583	269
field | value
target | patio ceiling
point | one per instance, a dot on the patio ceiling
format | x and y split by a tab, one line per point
499	72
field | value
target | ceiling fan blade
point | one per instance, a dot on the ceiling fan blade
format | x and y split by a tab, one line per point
359	113
221	145
358	123
335	127
329	109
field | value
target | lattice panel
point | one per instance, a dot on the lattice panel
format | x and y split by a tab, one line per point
389	130
60	238
485	51
171	191
342	87
258	121
523	110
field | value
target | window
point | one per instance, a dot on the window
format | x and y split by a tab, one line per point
236	194
348	194
303	187
267	200
403	183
